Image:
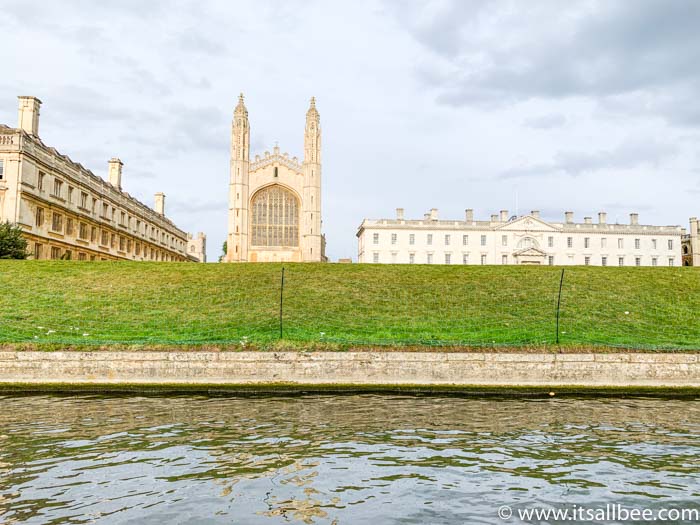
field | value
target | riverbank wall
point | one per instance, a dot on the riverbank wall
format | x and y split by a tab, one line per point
346	371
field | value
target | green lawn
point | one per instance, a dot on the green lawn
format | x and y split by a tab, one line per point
83	303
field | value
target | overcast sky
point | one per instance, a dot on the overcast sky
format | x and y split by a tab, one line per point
451	104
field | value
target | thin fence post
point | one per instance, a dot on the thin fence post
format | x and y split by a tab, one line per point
561	284
281	300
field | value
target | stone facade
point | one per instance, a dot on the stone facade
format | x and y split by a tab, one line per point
527	239
691	244
68	212
197	247
275	200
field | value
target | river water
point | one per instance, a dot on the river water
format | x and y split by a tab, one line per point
337	459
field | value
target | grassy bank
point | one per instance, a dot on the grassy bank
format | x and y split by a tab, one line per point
82	303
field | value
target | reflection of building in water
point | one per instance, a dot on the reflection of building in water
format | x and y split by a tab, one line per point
518	240
275	200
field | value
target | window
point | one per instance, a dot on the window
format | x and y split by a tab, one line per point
637	261
122	243
123	223
551	260
393	257
504	240
504	259
83	200
37	250
137	248
70	194
569	242
430	258
603	242
82	256
113	240
483	240
620	243
465	258
57	187
430	239
104	238
483	259
94	205
550	242
275	217
69	227
465	240
83	231
93	234
393	238
57	222
448	258
39	220
653	243
604	261
637	244
620	261
411	258
586	242
40	181
447	240
375	238
55	252
375	257
105	210
670	244
412	239
654	261
587	260
2	169
670	261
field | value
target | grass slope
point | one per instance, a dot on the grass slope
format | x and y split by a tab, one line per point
83	303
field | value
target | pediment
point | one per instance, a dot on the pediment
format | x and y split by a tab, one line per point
528	223
530	252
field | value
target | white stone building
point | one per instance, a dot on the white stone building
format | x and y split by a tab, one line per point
68	212
527	239
275	200
197	247
691	244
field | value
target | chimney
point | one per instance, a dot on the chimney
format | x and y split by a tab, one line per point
433	214
494	217
504	215
588	220
602	217
29	115
535	214
160	203
469	215
634	219
115	172
399	214
569	216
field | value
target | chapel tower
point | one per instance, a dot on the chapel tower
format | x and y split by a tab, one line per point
237	241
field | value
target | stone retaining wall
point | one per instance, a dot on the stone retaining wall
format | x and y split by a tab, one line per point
436	369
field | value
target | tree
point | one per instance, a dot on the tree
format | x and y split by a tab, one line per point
12	244
224	248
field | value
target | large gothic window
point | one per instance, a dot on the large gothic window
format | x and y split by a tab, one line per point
275	220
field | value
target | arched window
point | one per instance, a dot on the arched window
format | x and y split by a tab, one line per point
275	220
527	242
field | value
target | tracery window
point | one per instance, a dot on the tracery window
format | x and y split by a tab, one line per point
275	220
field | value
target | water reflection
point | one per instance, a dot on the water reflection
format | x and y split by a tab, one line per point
337	459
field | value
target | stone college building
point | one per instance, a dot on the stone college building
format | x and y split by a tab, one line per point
275	200
527	239
68	212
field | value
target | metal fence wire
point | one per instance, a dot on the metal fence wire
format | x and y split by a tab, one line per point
76	303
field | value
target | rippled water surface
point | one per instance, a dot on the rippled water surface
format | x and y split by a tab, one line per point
338	459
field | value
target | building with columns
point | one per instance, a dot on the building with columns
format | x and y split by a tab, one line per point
68	212
691	244
274	199
527	239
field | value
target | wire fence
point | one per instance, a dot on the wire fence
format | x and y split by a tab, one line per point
78	303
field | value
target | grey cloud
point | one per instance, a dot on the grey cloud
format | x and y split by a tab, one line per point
546	121
627	155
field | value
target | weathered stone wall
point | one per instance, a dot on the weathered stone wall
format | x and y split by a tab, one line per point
352	368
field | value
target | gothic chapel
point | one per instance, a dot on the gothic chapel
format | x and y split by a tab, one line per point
275	201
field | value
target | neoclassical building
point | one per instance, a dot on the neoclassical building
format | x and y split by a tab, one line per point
68	212
691	244
528	239
275	200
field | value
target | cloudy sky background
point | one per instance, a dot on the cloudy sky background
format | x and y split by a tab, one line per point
579	105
